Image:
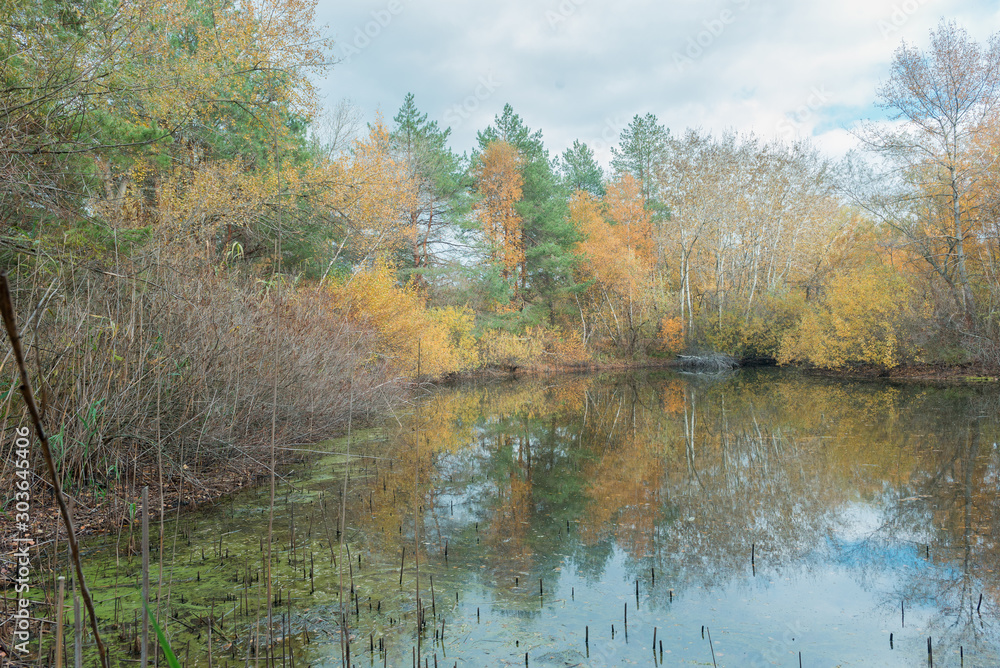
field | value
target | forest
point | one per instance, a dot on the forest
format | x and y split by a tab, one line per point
204	261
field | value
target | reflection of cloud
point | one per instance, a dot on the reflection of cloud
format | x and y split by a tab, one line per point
873	495
860	521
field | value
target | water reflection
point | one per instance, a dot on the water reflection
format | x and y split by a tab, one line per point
775	513
758	490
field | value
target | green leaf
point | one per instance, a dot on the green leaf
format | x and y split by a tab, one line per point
162	639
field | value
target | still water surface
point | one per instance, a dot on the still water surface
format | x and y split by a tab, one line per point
761	515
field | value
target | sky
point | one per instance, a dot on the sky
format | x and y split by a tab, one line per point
582	69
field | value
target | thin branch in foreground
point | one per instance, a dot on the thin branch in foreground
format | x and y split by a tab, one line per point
10	324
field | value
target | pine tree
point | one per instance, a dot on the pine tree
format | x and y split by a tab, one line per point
642	150
580	170
441	187
547	234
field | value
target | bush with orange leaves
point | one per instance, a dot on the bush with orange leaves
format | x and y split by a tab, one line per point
671	338
404	327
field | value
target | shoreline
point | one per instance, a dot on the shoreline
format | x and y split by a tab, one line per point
962	374
939	373
100	511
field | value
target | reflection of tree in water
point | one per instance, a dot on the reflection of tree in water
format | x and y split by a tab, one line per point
949	510
686	474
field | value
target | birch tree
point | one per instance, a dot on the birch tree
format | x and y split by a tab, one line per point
942	101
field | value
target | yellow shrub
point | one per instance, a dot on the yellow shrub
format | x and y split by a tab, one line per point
759	334
498	347
863	317
458	323
404	326
671	335
536	346
567	348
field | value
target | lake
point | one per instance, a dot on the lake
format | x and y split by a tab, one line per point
758	518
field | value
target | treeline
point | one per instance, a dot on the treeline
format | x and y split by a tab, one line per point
194	245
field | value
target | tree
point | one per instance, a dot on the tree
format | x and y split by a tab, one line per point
946	99
440	185
200	81
54	76
333	130
580	170
625	209
617	258
690	182
499	182
547	277
371	195
641	150
750	222
106	105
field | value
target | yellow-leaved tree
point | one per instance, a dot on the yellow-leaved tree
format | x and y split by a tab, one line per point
368	196
617	253
500	184
169	84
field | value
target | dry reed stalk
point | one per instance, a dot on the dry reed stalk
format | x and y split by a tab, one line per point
7	311
344	641
416	518
144	651
59	621
77	630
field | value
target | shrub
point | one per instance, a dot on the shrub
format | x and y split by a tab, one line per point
404	327
865	317
759	334
179	364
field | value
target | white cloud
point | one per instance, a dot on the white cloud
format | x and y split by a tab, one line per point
581	69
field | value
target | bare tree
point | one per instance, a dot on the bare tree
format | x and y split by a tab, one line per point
748	220
336	128
945	98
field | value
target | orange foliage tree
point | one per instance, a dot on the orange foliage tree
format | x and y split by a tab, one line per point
624	201
617	252
500	184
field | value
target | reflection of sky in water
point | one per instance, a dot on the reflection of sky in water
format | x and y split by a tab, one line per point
860	539
820	611
847	524
835	596
829	604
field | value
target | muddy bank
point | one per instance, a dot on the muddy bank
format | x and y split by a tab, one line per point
107	509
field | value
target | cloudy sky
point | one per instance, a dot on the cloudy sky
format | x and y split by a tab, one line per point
581	69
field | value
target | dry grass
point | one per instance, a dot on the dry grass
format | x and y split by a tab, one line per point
172	366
